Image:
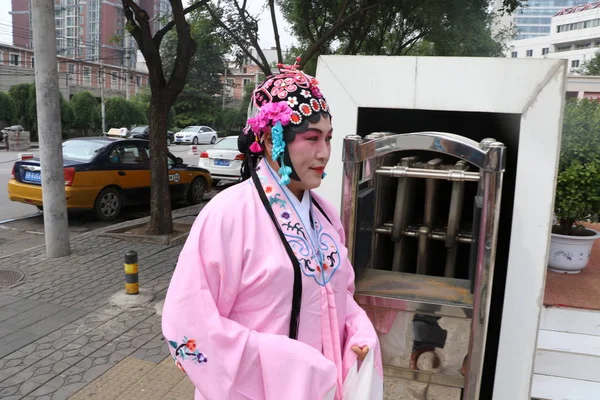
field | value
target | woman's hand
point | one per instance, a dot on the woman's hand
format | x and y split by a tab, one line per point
361	353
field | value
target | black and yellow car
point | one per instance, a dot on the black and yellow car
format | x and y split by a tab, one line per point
104	174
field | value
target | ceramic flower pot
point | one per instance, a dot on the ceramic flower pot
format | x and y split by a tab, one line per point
570	254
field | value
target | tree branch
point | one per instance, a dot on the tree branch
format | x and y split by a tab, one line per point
158	36
186	47
141	16
140	30
338	24
237	41
275	31
251	36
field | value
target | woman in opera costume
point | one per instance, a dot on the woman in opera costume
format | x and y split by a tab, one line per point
261	303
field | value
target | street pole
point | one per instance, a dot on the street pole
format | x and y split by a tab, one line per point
56	224
224	88
102	108
126	70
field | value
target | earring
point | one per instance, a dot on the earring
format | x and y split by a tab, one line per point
323	175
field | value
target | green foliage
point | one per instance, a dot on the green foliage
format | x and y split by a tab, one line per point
395	27
248	89
208	62
67	115
230	121
195	107
122	113
87	111
8	108
578	183
20	95
592	66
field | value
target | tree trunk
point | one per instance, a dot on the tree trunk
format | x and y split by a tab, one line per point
161	221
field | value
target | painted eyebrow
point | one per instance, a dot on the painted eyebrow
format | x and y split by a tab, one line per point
317	130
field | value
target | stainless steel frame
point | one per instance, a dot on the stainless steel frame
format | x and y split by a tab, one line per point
363	160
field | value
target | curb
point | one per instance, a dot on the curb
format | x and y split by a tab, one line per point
189	211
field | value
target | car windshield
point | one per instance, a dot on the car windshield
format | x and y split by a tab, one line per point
227	144
190	129
81	150
139	129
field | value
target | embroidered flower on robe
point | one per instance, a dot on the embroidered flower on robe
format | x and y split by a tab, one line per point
187	349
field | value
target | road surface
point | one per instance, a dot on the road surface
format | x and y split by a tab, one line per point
22	225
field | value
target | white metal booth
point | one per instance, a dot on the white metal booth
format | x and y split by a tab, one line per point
444	171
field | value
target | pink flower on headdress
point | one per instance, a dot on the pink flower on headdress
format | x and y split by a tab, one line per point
259	122
316	92
276	111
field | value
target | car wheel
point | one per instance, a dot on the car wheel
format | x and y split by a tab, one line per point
108	204
195	193
169	141
195	141
213	140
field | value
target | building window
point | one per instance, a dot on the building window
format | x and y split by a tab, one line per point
87	76
529	53
32	62
230	82
1	58
138	80
14	59
113	80
563	48
514	54
545	51
246	81
71	71
575	64
584	45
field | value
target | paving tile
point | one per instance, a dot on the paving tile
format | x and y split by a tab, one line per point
115	381
185	387
154	385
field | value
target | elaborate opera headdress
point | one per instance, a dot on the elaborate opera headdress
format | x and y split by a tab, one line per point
283	105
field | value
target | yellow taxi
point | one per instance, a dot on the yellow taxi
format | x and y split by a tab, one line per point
104	174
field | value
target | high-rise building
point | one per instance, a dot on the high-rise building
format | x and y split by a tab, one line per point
91	30
533	18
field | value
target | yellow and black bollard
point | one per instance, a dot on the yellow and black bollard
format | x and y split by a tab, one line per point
131	273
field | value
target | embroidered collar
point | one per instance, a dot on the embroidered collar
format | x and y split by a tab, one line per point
317	252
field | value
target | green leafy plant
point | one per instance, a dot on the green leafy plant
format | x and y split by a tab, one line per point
8	109
578	183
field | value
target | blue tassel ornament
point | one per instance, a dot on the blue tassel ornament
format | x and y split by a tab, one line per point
278	149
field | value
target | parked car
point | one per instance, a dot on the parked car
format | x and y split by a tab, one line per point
195	135
104	174
143	132
223	160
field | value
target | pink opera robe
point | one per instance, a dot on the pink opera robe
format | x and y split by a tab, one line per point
227	311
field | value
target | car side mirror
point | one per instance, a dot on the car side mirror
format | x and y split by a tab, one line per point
179	160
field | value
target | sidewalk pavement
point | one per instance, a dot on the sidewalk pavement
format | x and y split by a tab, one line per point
61	338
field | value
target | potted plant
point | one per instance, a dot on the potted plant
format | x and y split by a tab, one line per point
578	187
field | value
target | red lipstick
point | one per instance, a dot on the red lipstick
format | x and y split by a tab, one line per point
318	169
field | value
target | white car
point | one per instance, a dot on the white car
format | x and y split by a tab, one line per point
195	135
223	160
